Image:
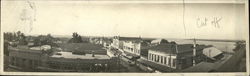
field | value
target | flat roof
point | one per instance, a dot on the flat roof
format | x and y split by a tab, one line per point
69	55
24	48
86	47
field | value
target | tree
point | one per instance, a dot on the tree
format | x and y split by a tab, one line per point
239	44
6	50
45	40
164	41
18	36
22	39
172	42
76	38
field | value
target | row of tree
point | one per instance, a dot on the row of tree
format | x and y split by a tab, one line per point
16	36
45	40
21	39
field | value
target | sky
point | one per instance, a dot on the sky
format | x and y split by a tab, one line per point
165	20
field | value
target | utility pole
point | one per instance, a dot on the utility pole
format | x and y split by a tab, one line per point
194	52
170	61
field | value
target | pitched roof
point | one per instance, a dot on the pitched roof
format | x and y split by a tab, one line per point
174	48
211	52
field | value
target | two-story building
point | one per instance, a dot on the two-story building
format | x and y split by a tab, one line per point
175	56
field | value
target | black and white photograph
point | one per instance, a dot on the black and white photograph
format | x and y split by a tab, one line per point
124	36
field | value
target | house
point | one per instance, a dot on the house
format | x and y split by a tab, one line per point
175	56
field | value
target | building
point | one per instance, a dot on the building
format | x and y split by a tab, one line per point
130	46
213	53
76	57
68	61
107	42
23	58
175	56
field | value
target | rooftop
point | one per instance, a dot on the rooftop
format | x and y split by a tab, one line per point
86	47
24	48
69	55
181	48
211	52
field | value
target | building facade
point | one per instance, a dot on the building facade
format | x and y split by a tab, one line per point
128	44
132	47
173	55
26	59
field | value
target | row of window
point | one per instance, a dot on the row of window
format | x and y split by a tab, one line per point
131	49
171	62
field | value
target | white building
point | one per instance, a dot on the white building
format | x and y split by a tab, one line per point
212	52
132	47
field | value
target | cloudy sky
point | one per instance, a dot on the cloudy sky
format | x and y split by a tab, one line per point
166	20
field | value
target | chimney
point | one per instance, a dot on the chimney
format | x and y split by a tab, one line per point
194	52
93	54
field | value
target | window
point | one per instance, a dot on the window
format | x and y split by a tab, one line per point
158	57
165	60
149	56
152	56
155	58
174	62
169	61
161	59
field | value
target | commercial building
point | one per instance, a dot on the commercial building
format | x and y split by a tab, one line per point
21	57
175	56
130	46
75	57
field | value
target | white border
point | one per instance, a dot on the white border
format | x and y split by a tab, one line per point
146	74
